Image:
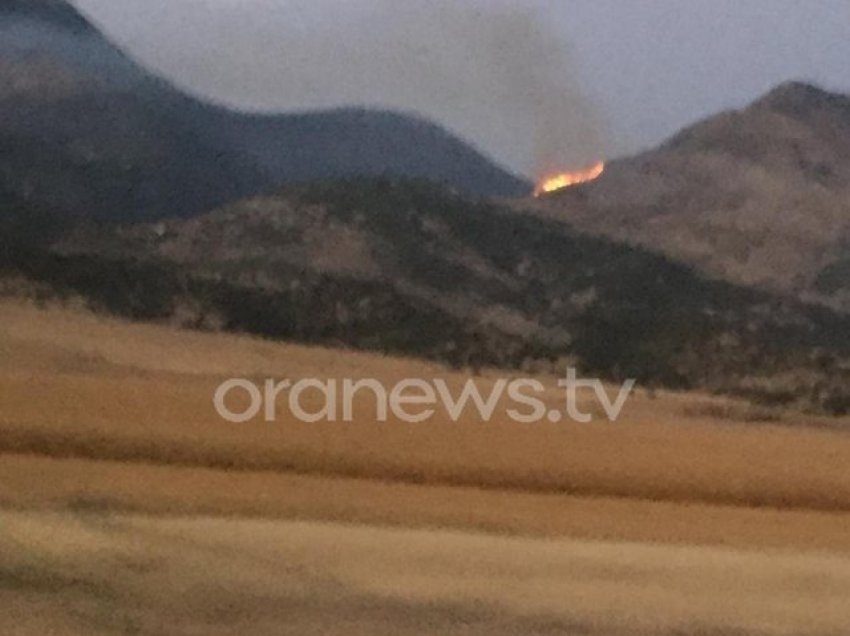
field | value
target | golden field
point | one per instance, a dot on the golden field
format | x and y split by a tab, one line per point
126	500
84	574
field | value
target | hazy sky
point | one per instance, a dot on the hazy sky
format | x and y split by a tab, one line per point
619	74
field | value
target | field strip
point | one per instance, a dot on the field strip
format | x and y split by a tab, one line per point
749	482
28	482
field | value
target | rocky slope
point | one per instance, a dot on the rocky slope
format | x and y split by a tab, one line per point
759	197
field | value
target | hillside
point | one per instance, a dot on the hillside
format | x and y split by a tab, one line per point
304	374
759	197
407	267
736	222
88	133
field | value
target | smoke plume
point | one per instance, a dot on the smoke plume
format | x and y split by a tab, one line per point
498	72
493	72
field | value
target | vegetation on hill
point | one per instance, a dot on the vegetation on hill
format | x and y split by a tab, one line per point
405	266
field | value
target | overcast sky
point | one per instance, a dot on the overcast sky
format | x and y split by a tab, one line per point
635	71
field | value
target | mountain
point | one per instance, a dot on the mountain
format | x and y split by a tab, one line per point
329	228
55	12
82	131
759	196
356	142
87	133
408	267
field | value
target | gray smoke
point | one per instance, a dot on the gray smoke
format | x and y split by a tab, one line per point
494	73
497	72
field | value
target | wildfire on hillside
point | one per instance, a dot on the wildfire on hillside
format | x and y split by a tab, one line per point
563	180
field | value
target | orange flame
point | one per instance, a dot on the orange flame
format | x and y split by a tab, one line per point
569	179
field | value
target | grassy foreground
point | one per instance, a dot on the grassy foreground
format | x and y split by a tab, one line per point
128	506
91	574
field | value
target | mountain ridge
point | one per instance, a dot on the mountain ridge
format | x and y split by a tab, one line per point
90	134
757	196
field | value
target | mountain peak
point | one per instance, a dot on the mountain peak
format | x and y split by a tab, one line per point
57	12
800	98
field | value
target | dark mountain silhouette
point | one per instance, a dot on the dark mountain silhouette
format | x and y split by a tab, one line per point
759	196
356	142
86	132
57	12
83	133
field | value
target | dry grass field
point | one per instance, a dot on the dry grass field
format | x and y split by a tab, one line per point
85	574
127	505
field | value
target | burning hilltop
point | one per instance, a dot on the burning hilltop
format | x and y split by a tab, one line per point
562	180
755	196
